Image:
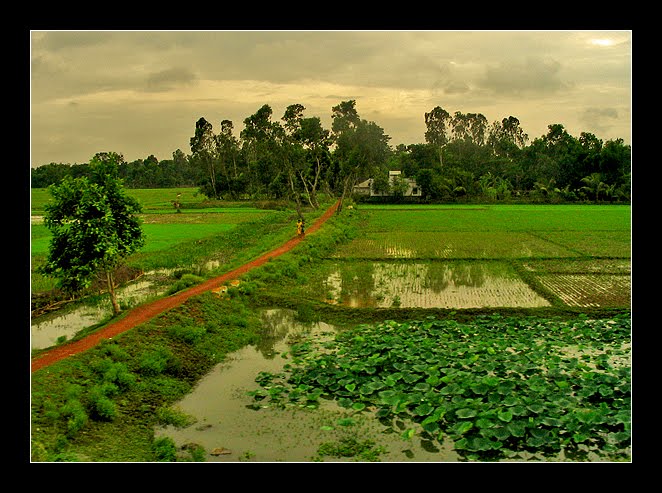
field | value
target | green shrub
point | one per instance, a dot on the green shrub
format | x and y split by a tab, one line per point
114	373
197	451
74	412
112	349
169	416
190	334
186	281
155	361
101	405
165	450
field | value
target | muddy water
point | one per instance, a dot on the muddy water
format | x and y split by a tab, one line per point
230	430
427	285
67	322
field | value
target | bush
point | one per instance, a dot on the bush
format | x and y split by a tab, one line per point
165	450
169	416
190	334
101	405
156	361
76	416
186	281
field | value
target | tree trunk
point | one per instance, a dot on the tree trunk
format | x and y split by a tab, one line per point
347	184
295	194
111	291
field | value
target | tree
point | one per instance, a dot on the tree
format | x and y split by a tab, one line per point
594	185
261	145
506	137
204	154
436	134
94	226
360	146
316	140
292	150
227	147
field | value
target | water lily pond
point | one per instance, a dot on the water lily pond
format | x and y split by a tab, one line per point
424	284
231	428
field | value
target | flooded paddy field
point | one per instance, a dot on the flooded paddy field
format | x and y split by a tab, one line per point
402	259
432	284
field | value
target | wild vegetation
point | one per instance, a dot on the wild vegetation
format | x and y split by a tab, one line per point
498	387
505	384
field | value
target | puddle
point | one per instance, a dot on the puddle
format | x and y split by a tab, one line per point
427	285
67	322
231	431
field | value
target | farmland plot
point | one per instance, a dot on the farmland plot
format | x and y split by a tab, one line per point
452	245
586	283
579	255
426	285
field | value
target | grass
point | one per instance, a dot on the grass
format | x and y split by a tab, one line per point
227	233
498	218
169	354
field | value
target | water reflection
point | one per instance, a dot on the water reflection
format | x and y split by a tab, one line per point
427	285
226	419
45	331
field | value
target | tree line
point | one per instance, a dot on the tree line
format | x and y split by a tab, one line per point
463	158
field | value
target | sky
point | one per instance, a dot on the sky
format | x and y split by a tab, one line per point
140	93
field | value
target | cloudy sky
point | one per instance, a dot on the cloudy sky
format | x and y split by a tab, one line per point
141	92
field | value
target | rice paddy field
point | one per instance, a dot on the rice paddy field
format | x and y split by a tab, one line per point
483	256
202	231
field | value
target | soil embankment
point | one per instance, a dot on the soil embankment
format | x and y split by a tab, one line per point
148	311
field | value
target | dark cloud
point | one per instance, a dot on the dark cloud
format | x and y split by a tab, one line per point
57	41
600	119
83	83
534	75
171	78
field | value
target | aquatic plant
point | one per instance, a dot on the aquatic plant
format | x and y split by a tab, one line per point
497	387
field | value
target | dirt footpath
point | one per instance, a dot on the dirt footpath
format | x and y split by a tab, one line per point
148	311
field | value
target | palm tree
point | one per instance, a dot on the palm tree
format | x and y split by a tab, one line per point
594	185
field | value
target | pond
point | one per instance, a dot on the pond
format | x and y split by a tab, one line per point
432	284
231	430
68	321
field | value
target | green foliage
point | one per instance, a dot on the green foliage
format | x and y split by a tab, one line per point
93	223
186	281
190	334
166	415
76	416
496	386
101	404
350	447
156	361
165	450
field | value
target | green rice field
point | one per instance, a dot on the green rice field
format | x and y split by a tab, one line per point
483	256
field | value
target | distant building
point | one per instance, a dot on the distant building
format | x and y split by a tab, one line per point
365	187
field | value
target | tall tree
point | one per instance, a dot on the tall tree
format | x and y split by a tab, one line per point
204	154
292	150
506	136
227	146
308	135
437	122
260	144
94	225
361	146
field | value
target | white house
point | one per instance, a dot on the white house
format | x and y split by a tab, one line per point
365	187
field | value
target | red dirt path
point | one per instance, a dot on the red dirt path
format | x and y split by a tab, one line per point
148	311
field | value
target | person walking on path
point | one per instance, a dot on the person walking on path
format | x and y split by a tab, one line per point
146	312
